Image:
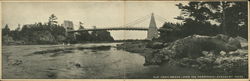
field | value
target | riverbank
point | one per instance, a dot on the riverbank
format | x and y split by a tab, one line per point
143	48
219	54
62	43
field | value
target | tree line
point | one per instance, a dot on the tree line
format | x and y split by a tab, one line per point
208	18
49	33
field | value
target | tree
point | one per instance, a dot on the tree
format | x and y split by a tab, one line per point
228	14
6	30
242	18
16	33
170	32
231	15
195	11
220	11
18	28
197	17
52	20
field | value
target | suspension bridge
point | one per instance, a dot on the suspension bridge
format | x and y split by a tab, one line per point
151	29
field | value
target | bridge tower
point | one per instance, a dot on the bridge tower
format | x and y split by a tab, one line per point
152	31
69	26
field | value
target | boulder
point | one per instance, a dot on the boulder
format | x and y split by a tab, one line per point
242	41
192	46
155	45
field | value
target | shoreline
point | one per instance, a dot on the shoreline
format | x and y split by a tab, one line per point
167	55
142	48
226	55
115	41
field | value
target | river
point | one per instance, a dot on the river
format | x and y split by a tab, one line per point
20	62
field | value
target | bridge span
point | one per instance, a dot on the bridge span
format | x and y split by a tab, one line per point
152	31
111	28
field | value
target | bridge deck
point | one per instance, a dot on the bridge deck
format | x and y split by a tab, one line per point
98	29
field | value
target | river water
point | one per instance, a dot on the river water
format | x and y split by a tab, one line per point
21	62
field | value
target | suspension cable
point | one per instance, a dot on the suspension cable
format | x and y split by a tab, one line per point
135	21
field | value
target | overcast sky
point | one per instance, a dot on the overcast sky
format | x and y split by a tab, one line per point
100	14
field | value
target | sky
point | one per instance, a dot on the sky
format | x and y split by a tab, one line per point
99	13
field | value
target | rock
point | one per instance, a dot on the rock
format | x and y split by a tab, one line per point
201	48
166	44
234	42
16	62
78	65
154	59
192	46
52	75
242	41
222	53
222	37
194	66
166	58
155	45
204	52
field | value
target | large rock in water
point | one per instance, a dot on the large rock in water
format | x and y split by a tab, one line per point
192	46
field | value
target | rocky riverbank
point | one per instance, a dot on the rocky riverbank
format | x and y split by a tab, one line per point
144	48
219	54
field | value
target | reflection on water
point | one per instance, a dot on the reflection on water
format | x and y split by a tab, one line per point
21	62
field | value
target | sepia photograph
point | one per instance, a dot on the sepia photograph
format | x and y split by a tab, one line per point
124	40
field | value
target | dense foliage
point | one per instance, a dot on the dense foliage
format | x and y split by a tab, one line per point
50	33
36	34
208	18
95	36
